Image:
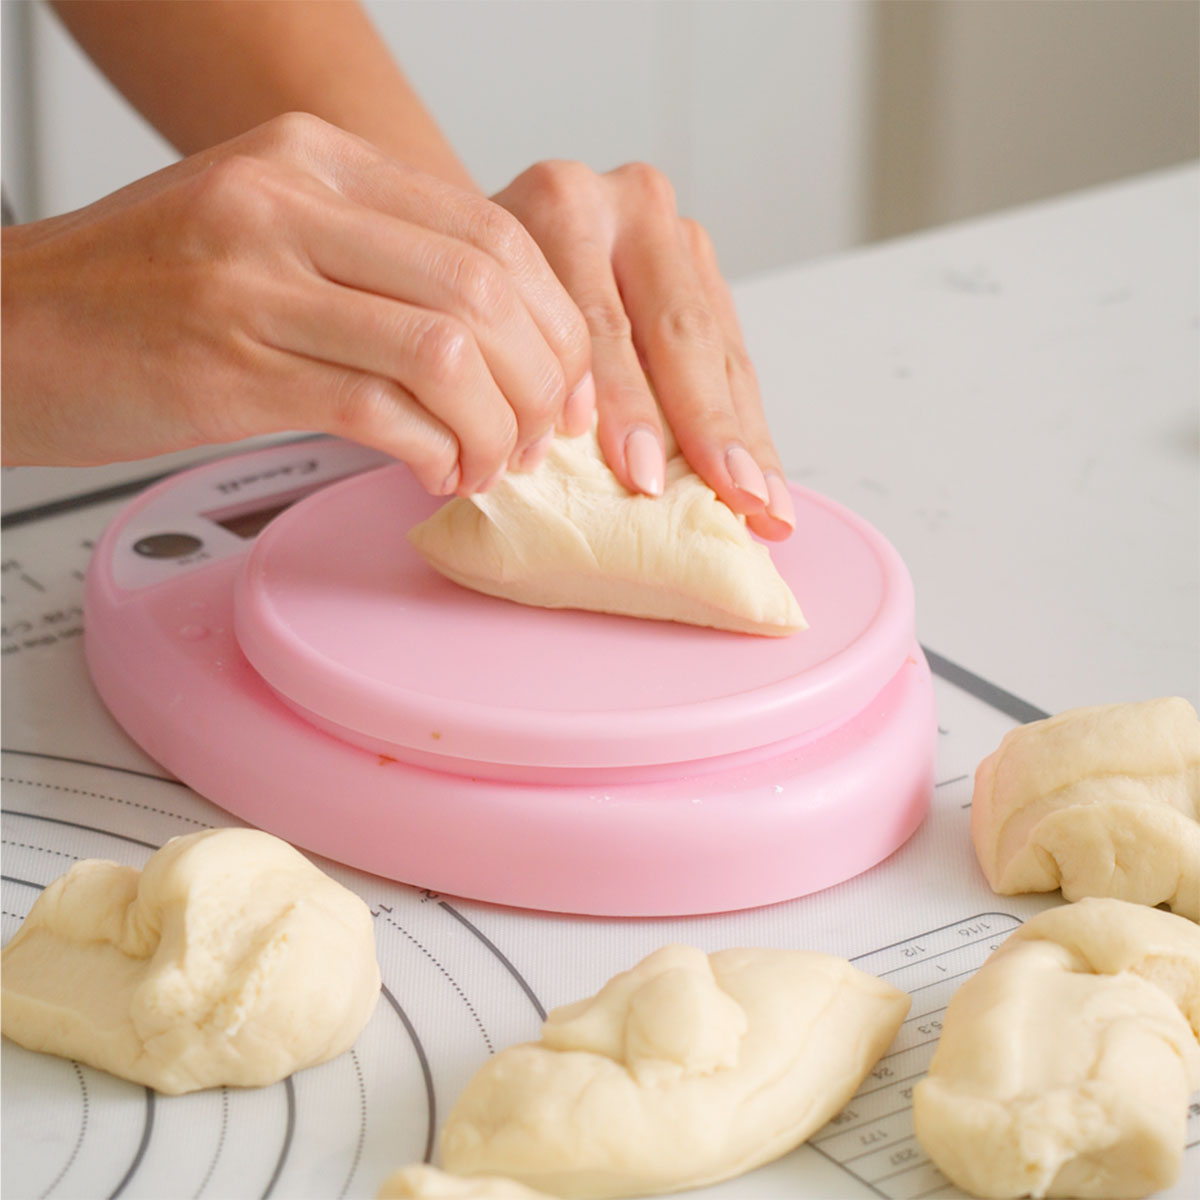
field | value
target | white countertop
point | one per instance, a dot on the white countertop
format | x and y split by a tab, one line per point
1015	402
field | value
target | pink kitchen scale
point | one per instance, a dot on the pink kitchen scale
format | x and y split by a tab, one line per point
262	628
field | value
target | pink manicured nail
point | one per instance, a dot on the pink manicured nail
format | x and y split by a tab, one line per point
535	453
780	505
580	405
745	473
451	482
644	458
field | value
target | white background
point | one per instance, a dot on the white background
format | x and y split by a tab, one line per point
791	128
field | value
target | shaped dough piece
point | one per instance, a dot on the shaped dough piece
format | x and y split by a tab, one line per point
428	1183
687	1069
1066	1063
568	535
230	959
1097	801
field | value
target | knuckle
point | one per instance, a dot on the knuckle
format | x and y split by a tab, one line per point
607	319
504	435
650	183
498	232
546	398
362	403
235	196
294	133
561	179
234	180
697	239
440	348
480	284
739	364
688	323
633	401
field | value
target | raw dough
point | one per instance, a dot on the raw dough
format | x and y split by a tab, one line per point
428	1183
230	959
1100	801
1065	1064
687	1069
568	535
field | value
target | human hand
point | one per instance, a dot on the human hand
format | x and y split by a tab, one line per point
660	317
292	278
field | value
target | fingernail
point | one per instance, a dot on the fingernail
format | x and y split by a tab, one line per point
580	405
745	473
644	460
451	482
780	505
535	453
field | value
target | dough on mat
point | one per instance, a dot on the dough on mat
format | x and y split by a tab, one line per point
1097	801
1066	1063
687	1069
428	1183
230	959
568	535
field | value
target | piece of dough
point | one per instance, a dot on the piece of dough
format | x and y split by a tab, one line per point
687	1069
568	535
230	959
1097	801
428	1183
1066	1063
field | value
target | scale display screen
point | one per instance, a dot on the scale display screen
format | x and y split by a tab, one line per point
248	519
250	524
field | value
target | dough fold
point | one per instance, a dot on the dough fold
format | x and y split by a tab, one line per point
1066	1063
1098	801
568	535
688	1069
230	959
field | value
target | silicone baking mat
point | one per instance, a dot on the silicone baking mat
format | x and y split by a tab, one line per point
461	979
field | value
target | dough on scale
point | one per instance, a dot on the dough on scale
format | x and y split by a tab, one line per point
688	1069
1098	801
1066	1063
428	1183
230	959
568	535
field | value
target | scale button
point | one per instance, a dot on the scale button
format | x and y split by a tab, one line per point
167	545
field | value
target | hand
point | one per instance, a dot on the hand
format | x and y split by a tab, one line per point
662	323
292	278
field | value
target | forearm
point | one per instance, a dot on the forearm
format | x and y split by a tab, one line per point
203	72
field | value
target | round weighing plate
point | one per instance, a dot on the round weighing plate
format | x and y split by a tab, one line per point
352	629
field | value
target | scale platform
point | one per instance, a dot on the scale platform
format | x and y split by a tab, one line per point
262	627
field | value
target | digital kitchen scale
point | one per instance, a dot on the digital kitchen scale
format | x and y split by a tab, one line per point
263	629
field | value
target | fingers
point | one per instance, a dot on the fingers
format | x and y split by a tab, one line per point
428	355
364	408
629	429
379	256
569	211
370	179
778	519
681	339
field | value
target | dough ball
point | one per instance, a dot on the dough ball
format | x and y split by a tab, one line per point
688	1069
428	1183
1066	1063
230	959
568	535
1097	801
